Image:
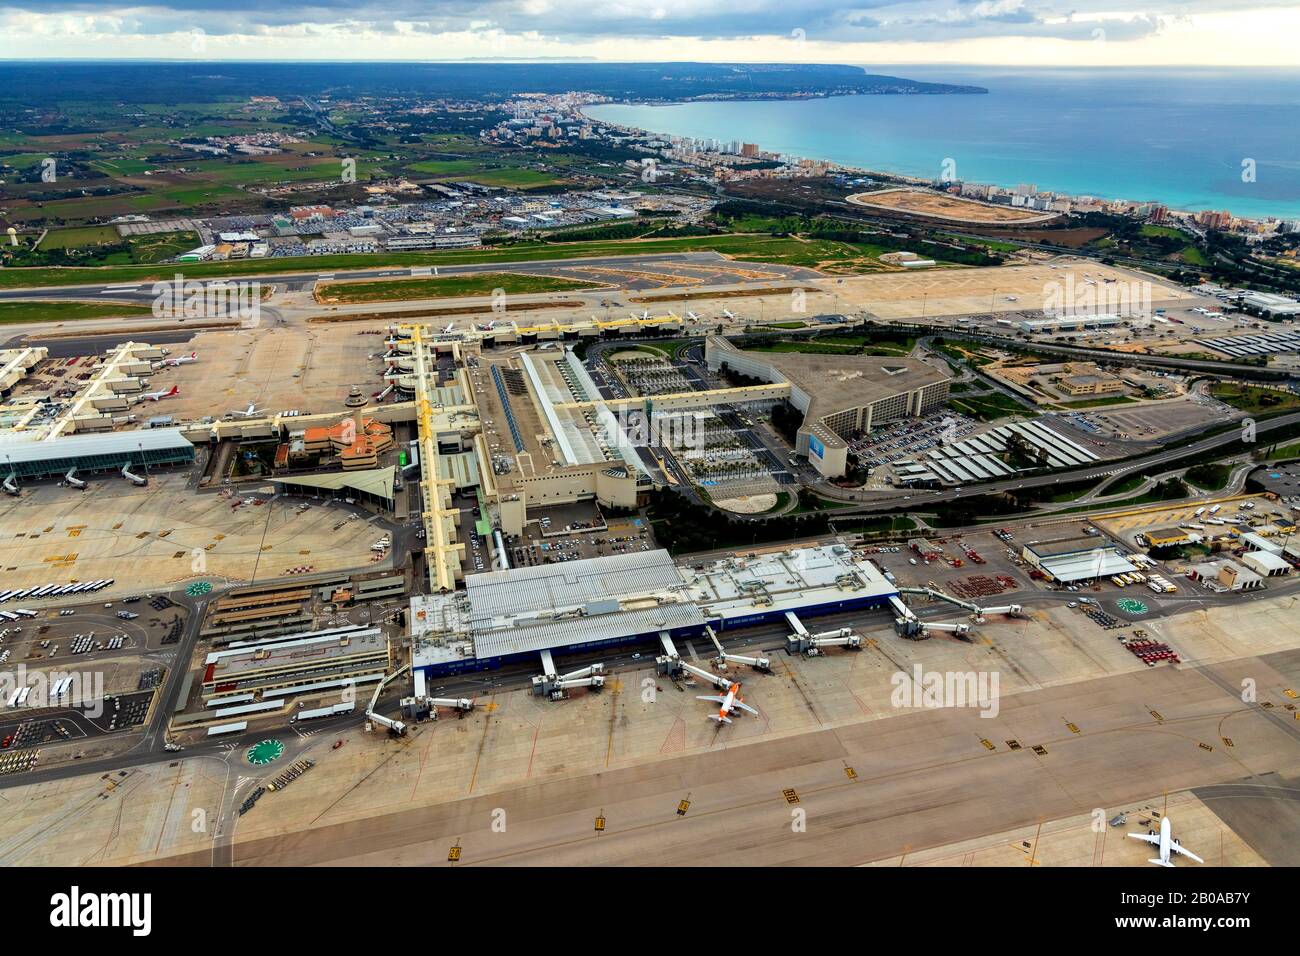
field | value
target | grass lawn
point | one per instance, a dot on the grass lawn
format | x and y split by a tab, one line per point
1131	483
987	408
1208	477
12	313
1099	402
1254	398
447	287
1285	452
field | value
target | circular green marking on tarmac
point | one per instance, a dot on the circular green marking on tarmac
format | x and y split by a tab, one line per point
1131	606
199	588
264	752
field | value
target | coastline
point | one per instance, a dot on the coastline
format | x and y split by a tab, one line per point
1177	208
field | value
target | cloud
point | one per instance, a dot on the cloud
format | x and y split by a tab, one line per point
484	27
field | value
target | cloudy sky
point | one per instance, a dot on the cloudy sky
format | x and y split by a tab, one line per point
1001	32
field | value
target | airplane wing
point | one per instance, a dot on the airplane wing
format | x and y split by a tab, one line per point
1154	840
745	707
711	700
1177	848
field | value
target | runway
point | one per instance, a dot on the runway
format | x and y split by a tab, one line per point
142	290
919	780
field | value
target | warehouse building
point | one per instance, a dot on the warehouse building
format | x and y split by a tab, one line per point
1074	559
1266	563
514	615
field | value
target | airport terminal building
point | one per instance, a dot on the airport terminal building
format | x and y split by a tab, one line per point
842	397
22	457
513	615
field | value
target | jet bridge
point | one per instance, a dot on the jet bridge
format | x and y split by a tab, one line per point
552	684
672	666
812	645
723	658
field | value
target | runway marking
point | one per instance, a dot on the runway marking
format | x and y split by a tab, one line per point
791	795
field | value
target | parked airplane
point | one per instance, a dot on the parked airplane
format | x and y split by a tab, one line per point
727	313
250	412
1167	844
181	359
159	395
451	327
728	704
692	316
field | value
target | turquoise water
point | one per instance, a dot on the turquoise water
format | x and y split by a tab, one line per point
1173	136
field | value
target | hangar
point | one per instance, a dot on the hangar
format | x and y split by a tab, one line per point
1074	559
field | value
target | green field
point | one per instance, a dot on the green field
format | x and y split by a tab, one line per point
80	238
1254	399
470	170
448	287
13	313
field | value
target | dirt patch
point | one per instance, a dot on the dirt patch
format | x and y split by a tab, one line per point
748	504
931	205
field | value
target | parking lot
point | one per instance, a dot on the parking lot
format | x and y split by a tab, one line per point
1152	420
910	437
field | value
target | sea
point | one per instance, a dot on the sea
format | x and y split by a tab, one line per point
1191	139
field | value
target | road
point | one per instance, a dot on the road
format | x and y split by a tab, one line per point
919	500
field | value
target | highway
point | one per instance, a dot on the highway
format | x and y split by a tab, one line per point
918	499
